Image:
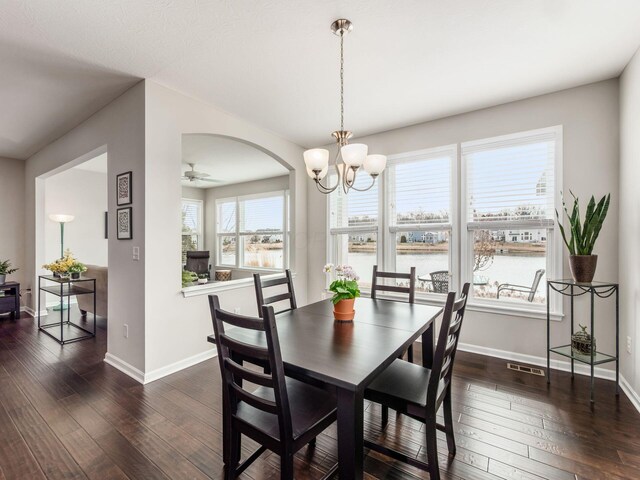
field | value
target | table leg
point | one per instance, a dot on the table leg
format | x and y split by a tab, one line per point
571	333
617	342
592	337
428	346
350	434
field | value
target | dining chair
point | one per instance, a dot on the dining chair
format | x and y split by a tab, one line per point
376	286
530	291
418	392
282	414
261	285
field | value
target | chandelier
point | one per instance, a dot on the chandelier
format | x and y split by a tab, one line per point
350	157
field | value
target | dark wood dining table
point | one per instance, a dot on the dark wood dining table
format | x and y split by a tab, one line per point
349	355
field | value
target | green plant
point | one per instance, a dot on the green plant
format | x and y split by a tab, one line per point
77	267
188	278
345	287
5	267
584	234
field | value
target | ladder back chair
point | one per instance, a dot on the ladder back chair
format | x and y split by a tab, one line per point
261	285
282	414
382	287
418	392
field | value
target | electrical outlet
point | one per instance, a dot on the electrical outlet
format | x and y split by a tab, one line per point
236	310
125	330
628	344
136	253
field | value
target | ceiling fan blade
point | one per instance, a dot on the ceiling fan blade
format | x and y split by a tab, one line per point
210	180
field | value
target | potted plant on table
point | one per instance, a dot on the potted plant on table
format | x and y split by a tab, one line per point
203	278
583	236
345	291
77	268
5	269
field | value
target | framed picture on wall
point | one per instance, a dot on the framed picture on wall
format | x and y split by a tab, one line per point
123	189
124	224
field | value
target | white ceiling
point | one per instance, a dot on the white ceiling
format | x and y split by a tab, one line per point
274	62
226	160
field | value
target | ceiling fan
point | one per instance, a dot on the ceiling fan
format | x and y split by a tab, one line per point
193	175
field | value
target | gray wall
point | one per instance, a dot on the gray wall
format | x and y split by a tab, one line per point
12	216
83	194
589	116
630	220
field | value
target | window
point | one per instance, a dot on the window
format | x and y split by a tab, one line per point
191	226
480	211
508	210
353	227
252	231
420	218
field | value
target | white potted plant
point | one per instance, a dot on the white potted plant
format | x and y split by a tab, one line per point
5	269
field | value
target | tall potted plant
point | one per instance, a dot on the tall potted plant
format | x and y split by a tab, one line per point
345	291
5	269
583	236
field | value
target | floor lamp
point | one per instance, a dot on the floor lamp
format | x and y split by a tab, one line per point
61	219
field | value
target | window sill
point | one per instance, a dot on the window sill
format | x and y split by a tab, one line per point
215	287
493	309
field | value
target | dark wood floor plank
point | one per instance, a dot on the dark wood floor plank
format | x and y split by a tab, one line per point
93	460
16	460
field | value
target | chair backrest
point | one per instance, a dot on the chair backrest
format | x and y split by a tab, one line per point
233	372
440	281
447	346
534	285
198	261
290	294
381	287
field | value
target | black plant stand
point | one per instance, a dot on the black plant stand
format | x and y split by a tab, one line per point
66	288
571	288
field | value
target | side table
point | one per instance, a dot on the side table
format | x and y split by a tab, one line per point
571	288
66	287
10	299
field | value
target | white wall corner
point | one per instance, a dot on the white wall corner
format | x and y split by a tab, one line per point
124	367
158	373
631	394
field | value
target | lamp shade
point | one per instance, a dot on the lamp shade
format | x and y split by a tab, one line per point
316	159
375	164
354	154
321	175
61	218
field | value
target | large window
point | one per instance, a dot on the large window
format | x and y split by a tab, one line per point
510	185
191	226
252	231
479	212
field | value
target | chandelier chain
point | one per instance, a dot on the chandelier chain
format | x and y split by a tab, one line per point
342	81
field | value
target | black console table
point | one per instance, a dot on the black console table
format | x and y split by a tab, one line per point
571	288
66	287
10	299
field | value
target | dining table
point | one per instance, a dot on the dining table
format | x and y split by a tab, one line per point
347	356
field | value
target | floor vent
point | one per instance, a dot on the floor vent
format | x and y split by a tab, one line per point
525	369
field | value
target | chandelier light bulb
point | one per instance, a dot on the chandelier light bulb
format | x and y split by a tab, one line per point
375	164
354	154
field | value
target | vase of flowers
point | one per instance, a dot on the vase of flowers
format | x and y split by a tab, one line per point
66	267
76	269
345	291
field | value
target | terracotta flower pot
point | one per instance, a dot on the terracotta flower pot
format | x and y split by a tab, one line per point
343	310
583	267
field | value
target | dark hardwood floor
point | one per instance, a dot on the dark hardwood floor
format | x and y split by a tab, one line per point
64	413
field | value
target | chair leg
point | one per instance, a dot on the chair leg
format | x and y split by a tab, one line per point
432	449
448	423
286	466
410	354
235	447
385	416
312	443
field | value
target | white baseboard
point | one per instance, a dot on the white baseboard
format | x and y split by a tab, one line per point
124	367
631	394
179	365
562	365
158	373
32	312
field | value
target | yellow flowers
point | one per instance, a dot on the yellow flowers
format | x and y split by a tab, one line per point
68	263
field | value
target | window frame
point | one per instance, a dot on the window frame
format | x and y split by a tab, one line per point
200	231
553	267
240	236
460	246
